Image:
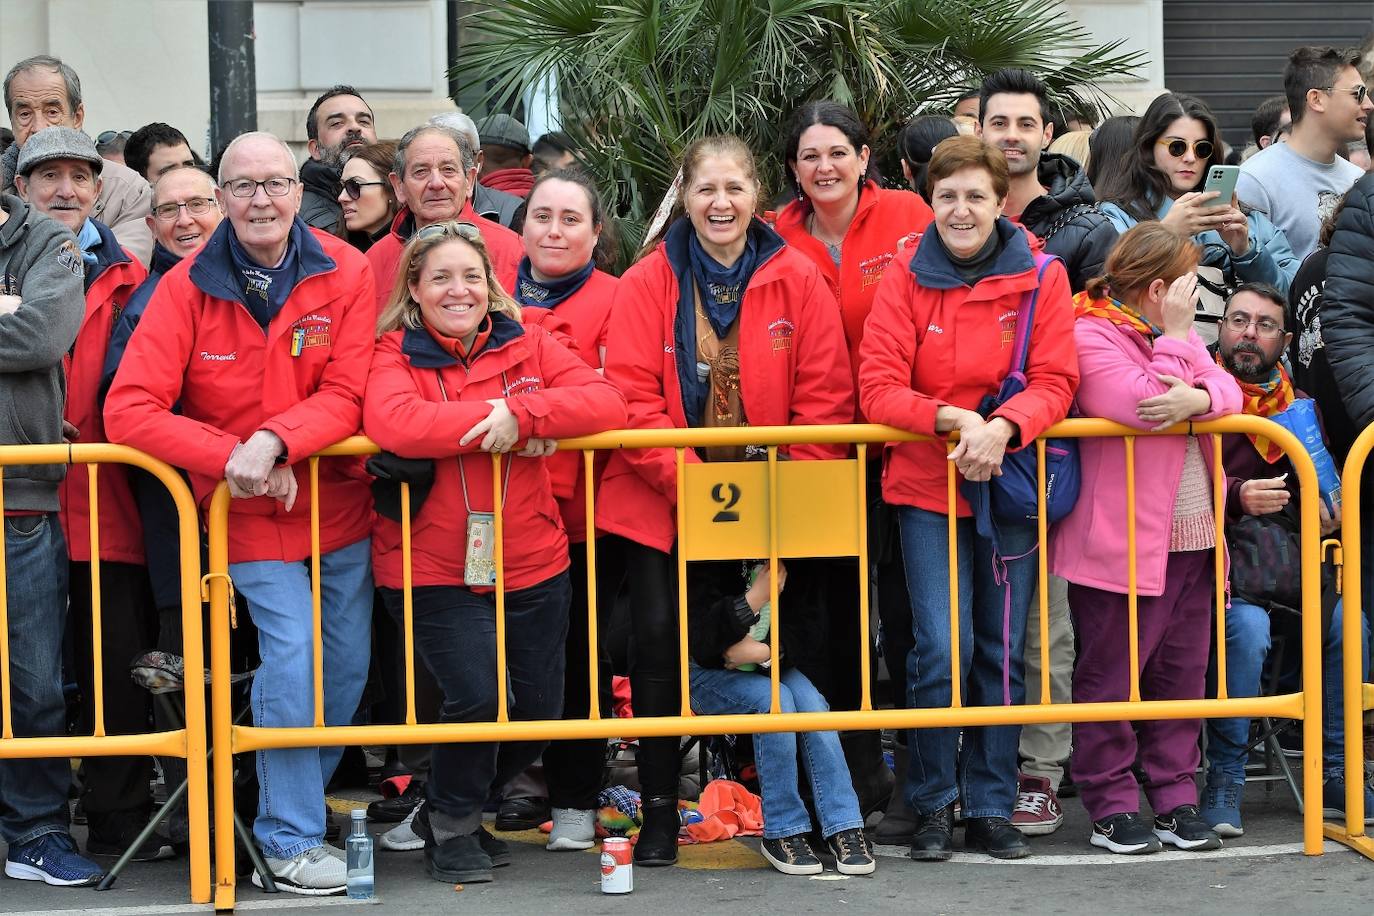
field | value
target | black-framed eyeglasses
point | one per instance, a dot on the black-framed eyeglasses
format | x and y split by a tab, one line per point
1177	147
1359	92
450	228
247	187
1238	322
354	188
196	206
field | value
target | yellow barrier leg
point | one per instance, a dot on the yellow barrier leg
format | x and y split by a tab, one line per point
220	599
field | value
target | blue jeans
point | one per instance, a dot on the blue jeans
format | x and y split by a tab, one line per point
986	760
717	691
291	781
1247	646
33	793
455	634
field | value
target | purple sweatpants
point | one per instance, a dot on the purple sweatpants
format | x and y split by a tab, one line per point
1175	640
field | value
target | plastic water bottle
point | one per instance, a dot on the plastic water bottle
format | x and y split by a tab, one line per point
359	849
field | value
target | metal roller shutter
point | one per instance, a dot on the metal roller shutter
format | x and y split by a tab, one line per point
1231	53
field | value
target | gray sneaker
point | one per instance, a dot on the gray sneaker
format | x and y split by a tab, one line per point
313	873
402	837
573	828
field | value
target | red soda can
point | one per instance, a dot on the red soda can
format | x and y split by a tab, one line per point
617	866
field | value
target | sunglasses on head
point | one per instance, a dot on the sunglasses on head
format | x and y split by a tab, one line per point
451	228
1176	147
354	187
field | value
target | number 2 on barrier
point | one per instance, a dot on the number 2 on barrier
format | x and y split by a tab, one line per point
728	495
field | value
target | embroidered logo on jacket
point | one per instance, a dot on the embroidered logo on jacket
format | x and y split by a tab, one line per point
1007	320
872	268
525	384
780	333
219	357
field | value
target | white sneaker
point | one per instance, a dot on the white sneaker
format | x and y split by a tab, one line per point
573	828
402	837
313	873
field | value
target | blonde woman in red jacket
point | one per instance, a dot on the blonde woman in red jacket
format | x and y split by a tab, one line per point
455	376
721	324
938	341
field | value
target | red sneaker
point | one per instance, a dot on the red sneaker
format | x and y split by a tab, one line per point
1037	810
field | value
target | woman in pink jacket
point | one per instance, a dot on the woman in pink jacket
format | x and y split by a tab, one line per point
1141	364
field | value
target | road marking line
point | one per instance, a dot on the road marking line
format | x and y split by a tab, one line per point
1104	858
287	901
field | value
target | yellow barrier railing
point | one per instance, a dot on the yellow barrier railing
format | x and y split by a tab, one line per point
734	510
187	742
1358	696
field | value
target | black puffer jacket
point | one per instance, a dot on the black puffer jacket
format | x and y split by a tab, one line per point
1066	220
1347	315
320	202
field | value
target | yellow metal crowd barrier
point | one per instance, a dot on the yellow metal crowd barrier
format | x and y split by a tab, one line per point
1359	696
187	742
772	509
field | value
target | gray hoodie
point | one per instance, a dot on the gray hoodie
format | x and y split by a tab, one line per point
41	264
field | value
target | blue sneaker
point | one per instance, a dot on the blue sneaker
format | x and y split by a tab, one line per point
52	859
1221	806
1333	798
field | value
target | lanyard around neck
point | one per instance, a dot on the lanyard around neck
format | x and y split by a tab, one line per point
462	474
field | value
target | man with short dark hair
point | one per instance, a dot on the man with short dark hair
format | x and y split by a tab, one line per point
338	123
1270	116
265	337
42	91
1049	195
1296	183
506	155
1261	508
433	176
157	148
41	307
553	150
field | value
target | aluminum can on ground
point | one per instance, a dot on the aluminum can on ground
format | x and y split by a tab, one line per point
617	866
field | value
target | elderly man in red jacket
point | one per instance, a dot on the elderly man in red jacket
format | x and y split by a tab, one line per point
265	337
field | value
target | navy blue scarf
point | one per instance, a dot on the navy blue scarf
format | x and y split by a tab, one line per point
265	289
721	288
548	293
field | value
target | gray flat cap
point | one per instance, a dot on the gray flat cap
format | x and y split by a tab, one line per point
57	143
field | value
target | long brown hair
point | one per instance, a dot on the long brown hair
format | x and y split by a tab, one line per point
701	150
402	311
1145	253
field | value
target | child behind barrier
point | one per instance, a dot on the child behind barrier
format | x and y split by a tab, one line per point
1143	365
728	623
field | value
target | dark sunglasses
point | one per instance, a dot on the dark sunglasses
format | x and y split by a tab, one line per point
1177	148
1359	92
354	188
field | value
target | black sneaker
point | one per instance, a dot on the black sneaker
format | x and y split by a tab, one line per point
853	856
1185	828
1126	834
522	814
934	836
395	810
996	837
792	855
460	860
112	834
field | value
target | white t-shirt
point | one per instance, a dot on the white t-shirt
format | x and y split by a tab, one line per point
1295	192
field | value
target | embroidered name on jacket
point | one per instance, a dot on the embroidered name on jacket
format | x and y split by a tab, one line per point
780	334
1008	322
525	384
872	268
219	357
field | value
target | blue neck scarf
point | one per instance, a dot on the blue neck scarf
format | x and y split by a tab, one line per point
89	240
265	289
548	293
721	288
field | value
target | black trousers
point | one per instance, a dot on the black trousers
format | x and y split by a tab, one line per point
574	770
129	627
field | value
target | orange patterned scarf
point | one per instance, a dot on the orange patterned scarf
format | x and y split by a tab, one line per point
1270	397
1118	313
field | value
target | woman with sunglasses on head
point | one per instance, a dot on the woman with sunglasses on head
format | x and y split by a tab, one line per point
369	204
719	324
1175	144
560	286
456	377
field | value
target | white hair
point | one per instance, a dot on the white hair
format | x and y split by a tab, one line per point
456	120
258	135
